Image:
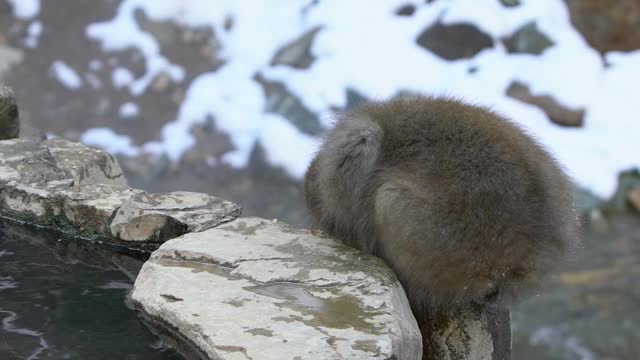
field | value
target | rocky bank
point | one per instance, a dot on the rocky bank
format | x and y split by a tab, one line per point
218	286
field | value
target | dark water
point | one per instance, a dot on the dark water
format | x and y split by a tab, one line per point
64	299
590	309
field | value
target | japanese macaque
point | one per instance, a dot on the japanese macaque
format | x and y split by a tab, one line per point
461	203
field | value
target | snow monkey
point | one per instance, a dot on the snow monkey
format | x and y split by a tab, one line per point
461	203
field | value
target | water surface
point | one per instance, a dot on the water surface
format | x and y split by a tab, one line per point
64	299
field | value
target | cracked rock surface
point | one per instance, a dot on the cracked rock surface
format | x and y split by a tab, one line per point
61	184
87	166
258	289
159	217
82	191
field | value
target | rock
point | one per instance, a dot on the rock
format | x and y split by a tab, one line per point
35	203
510	3
628	181
62	184
254	289
555	111
86	211
211	142
406	10
28	181
454	41
528	40
9	122
477	333
297	54
160	217
90	208
607	25
634	198
281	101
28	162
87	166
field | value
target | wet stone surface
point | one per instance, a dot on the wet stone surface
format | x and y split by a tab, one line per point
287	294
160	217
83	191
61	184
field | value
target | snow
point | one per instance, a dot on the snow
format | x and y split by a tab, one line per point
66	75
108	140
123	32
95	64
377	58
121	77
25	9
287	147
129	110
33	31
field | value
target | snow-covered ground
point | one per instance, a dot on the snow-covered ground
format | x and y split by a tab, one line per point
363	46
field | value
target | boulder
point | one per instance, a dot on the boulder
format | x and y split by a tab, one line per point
527	40
78	189
160	217
556	112
28	162
86	165
61	184
259	289
297	53
9	122
454	41
91	208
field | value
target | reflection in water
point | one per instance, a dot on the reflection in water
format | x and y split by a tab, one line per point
64	299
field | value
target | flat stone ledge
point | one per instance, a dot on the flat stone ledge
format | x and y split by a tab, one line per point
157	217
61	184
79	190
255	289
87	166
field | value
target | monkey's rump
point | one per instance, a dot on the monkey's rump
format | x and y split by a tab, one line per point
462	204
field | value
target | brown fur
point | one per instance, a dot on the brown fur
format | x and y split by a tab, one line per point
461	203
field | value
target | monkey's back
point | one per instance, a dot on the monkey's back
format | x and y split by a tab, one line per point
461	203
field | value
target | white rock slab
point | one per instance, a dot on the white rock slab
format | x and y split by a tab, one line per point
257	289
60	183
27	162
87	166
90	208
162	216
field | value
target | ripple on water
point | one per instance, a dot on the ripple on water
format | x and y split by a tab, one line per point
7	325
65	300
